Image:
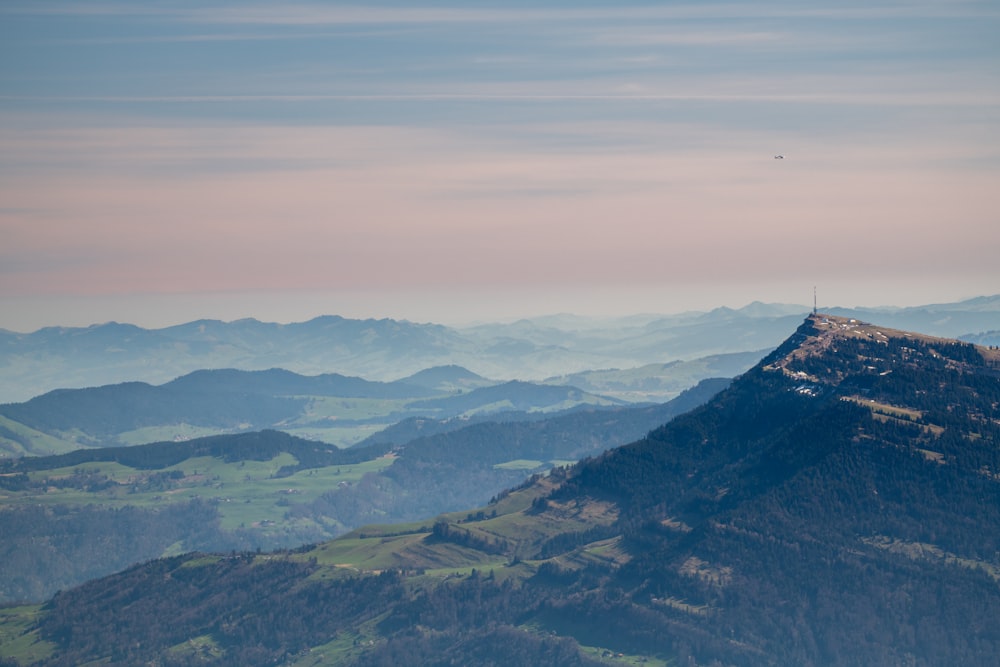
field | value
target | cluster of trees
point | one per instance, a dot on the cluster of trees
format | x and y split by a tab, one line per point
47	548
447	532
254	608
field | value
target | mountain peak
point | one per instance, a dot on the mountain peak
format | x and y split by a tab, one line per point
862	348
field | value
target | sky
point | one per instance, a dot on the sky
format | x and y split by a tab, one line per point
453	162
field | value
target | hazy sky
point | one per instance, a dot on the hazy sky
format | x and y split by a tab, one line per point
451	161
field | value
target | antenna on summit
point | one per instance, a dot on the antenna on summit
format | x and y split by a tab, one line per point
814	299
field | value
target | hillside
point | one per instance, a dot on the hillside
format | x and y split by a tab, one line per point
59	515
90	512
838	504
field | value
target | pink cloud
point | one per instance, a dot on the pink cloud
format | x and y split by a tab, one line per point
169	210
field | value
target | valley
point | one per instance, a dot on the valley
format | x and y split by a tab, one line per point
769	525
329	408
269	490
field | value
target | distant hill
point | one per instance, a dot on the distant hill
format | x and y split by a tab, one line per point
443	469
64	357
953	320
986	338
659	382
449	379
96	417
514	395
838	504
271	490
205	402
280	382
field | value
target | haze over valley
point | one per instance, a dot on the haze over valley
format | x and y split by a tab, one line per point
555	349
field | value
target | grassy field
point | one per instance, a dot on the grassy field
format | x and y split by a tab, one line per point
342	436
508	522
329	431
167	432
891	410
610	657
17	639
519	464
38	443
248	494
344	647
332	408
203	648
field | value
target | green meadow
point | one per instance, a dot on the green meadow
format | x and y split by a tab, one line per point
248	494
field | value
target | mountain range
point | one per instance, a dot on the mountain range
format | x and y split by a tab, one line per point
532	350
331	407
837	504
90	512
